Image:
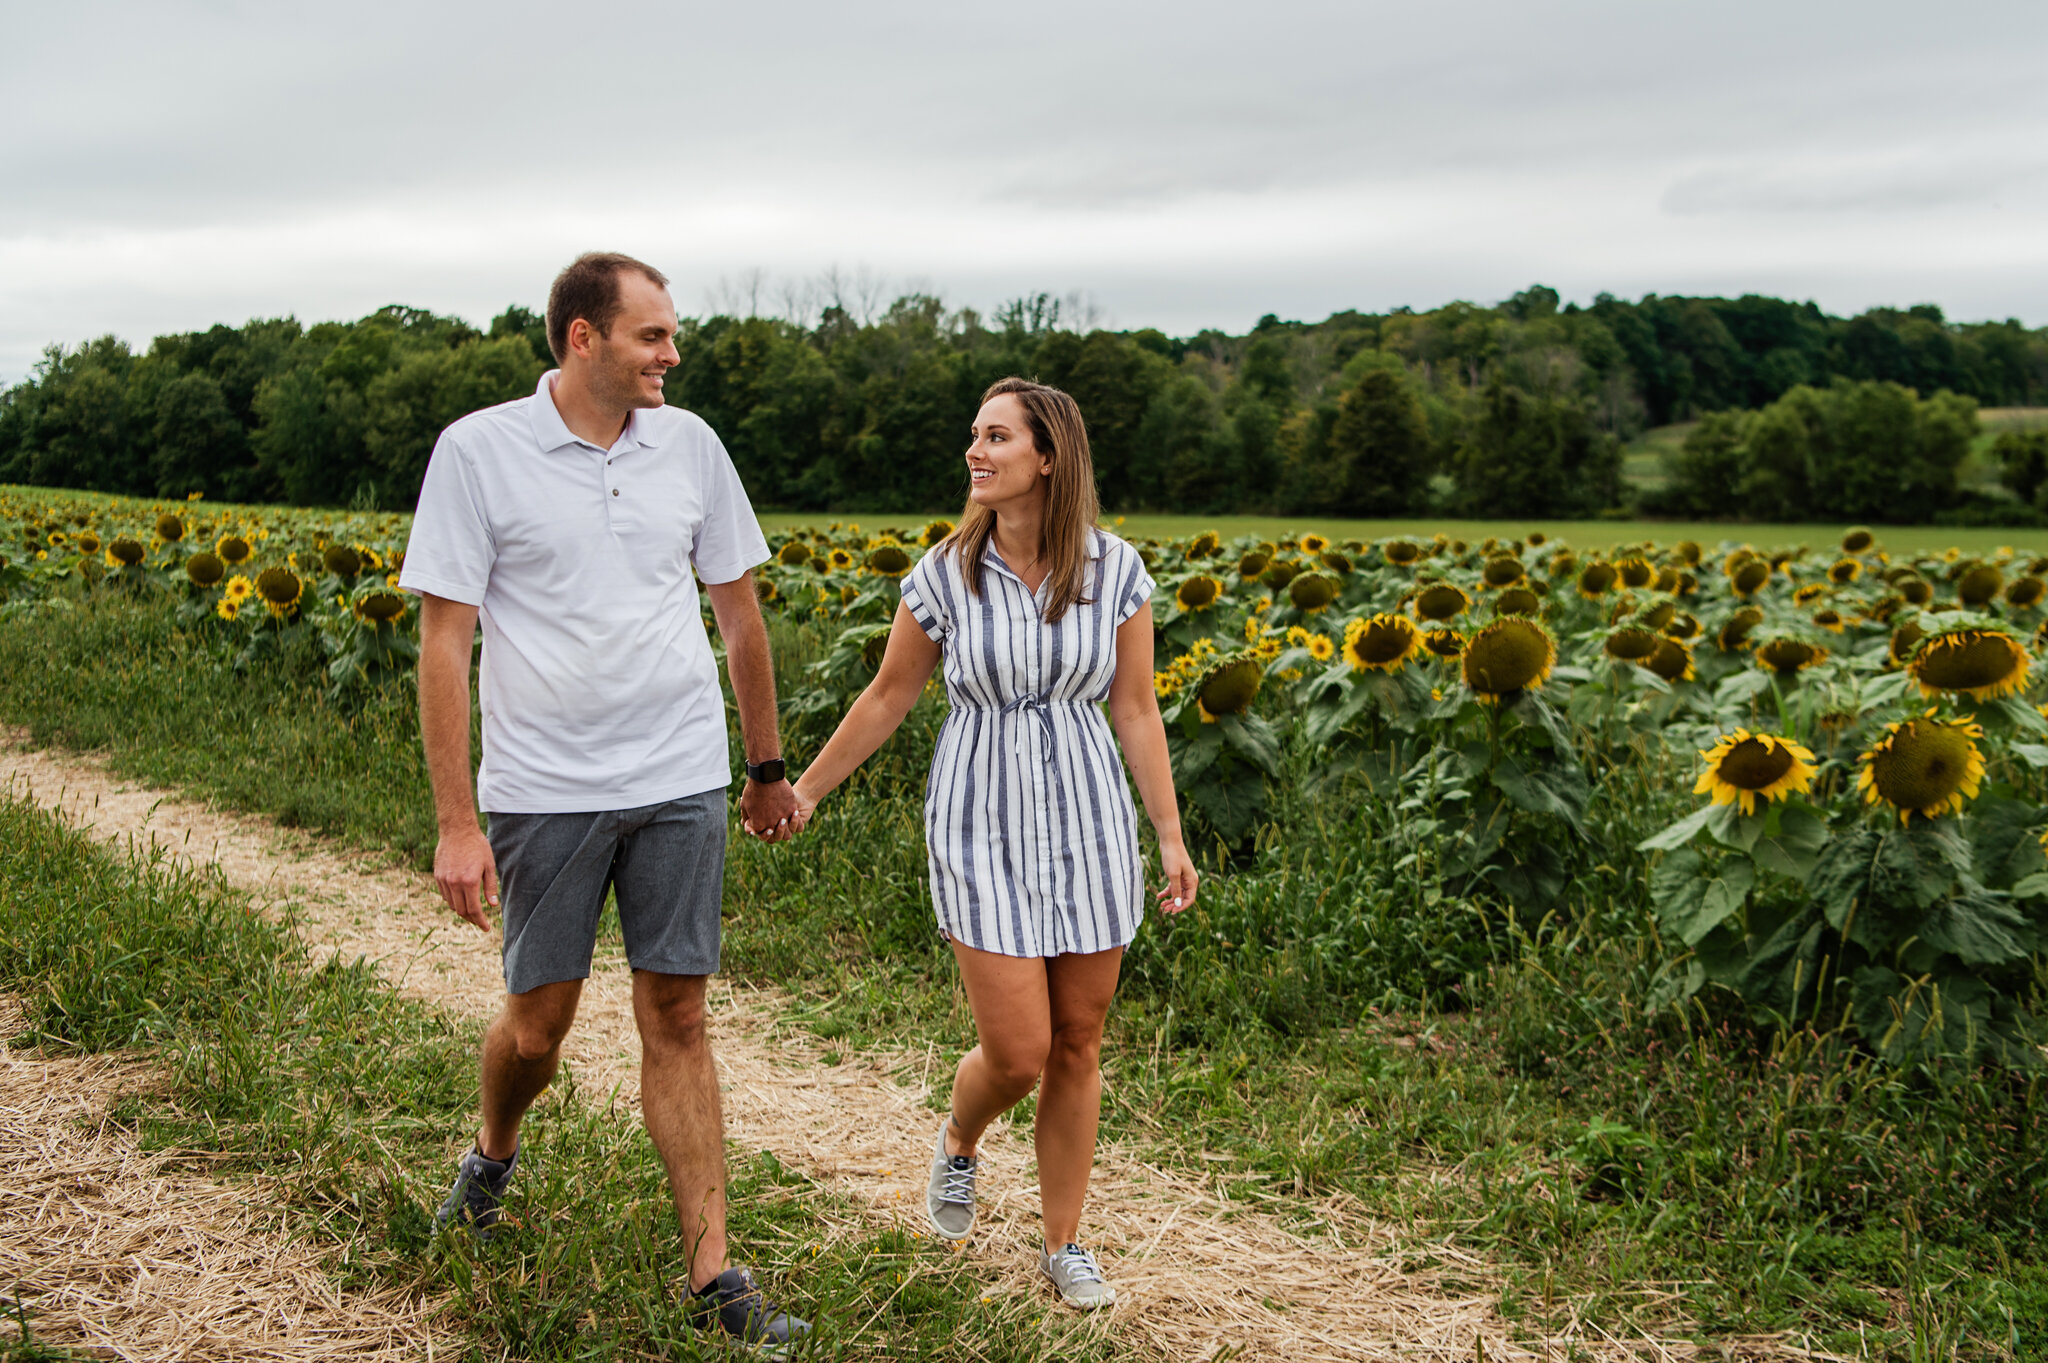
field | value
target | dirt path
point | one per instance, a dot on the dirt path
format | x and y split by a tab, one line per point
1198	1275
121	1258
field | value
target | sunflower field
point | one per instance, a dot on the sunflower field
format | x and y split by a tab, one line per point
1851	739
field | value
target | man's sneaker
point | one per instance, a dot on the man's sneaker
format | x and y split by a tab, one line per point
949	1195
744	1313
479	1186
1078	1278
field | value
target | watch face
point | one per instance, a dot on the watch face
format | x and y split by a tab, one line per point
767	772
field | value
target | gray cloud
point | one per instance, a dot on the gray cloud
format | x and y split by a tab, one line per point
171	163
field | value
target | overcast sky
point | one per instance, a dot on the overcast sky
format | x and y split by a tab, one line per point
168	164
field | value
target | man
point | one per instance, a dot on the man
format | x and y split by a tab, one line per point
569	524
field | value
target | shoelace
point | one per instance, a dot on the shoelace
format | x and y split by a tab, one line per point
1080	1265
959	1185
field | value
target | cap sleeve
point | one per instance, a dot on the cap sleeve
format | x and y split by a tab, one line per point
1136	584
926	597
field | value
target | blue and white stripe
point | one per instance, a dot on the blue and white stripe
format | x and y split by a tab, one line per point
1032	838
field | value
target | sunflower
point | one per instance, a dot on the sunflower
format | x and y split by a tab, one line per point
1630	644
1980	663
1745	767
1511	654
1444	643
1203	545
794	554
888	560
1812	591
1749	577
934	532
1689	551
1980	584
280	589
1312	592
380	607
1401	553
1314	544
1636	571
1657	616
1334	561
2025	591
1230	689
1845	571
1441	601
1785	656
841	560
125	552
1321	647
1251	563
205	569
1563	563
341	560
1857	540
1672	661
238	590
1667	580
169	528
1682	627
1383	643
1917	590
1924	766
1536	539
1279	573
227	609
1517	601
1501	571
1198	592
1596	580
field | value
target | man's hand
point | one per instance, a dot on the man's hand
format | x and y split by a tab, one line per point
768	810
463	867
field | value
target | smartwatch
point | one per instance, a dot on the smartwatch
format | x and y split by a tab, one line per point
767	773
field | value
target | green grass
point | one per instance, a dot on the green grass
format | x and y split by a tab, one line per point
1325	1022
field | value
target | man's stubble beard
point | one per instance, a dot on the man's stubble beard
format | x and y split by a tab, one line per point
615	383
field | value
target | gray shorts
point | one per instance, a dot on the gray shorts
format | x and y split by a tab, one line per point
665	862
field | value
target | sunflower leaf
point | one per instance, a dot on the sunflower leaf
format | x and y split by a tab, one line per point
1732	828
1741	688
1980	928
1254	739
1691	902
2034	755
1556	788
2004	836
1677	835
1793	847
2015	712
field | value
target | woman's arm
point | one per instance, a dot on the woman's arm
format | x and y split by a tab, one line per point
1134	710
899	681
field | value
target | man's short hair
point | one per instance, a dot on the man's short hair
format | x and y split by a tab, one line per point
589	288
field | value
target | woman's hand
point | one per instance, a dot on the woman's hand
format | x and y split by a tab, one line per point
806	805
1181	877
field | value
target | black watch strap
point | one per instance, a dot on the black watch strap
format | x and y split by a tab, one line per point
767	773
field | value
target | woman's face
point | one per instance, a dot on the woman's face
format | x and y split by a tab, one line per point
1003	465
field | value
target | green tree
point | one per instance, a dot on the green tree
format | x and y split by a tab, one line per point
2022	462
1379	449
199	445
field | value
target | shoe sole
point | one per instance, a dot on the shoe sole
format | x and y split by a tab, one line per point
1108	1298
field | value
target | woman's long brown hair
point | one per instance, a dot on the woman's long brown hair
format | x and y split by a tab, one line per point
1071	509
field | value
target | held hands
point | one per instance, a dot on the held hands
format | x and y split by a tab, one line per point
464	869
768	810
1181	877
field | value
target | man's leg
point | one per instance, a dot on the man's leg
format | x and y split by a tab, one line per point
522	1051
679	1102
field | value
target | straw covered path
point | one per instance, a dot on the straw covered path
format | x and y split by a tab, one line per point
1199	1274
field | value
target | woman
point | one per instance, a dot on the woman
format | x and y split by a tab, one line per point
1039	617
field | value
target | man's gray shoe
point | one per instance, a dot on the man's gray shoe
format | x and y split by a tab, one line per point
1077	1277
949	1195
480	1184
737	1306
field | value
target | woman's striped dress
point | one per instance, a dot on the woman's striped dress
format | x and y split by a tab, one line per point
1028	821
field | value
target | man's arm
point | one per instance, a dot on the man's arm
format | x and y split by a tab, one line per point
463	865
765	809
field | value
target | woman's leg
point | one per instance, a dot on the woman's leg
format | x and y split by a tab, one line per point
1079	989
1013	1020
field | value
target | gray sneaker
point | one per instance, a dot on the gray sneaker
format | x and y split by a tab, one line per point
1077	1277
949	1196
473	1202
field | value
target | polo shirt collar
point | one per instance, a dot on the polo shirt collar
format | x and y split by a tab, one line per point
551	433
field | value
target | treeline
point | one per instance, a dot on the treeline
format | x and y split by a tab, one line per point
1515	409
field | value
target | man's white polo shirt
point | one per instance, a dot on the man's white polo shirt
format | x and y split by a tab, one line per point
598	686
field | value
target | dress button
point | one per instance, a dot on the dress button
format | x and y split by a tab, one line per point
615	492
